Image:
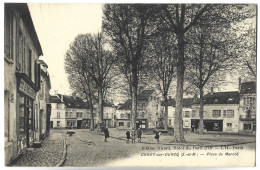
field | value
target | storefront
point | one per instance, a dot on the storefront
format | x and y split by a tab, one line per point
209	125
26	114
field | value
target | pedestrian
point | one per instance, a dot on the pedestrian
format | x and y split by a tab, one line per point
139	134
133	134
106	134
127	136
157	135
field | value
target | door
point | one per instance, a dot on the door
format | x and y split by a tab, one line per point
51	124
79	122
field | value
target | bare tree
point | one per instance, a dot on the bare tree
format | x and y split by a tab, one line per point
163	51
128	27
95	63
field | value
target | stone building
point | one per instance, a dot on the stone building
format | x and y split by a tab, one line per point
247	108
21	79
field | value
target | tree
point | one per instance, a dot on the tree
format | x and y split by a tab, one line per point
211	49
94	62
163	51
129	26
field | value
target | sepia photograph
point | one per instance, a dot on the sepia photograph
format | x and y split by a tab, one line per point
129	84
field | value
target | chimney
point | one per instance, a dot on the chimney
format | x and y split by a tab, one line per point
74	95
239	84
61	97
211	90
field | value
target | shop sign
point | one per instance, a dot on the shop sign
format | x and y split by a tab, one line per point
27	89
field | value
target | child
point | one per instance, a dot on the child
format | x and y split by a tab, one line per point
127	136
133	134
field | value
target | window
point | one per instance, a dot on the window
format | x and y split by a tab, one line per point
19	49
58	123
229	126
143	114
129	116
170	122
8	34
143	104
71	123
228	113
187	114
254	127
59	106
128	124
58	114
67	114
193	113
216	113
247	126
29	59
121	123
79	114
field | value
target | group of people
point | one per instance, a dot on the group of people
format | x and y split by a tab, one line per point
133	134
139	133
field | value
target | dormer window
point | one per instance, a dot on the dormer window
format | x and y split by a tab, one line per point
230	99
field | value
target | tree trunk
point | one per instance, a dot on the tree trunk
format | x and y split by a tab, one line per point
92	117
201	128
178	122
100	105
134	98
166	113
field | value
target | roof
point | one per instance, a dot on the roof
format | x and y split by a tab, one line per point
24	11
43	63
145	94
105	104
126	105
248	87
187	102
70	102
55	99
222	98
76	102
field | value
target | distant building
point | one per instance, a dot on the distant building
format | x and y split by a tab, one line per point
109	114
148	107
247	108
69	112
220	112
21	79
187	112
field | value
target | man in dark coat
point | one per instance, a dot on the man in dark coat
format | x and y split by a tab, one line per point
139	134
106	134
127	136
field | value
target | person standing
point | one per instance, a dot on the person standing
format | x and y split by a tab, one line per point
106	134
157	135
133	134
127	136
139	134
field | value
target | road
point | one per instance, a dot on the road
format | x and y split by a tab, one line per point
88	149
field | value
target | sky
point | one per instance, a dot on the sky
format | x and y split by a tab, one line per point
57	25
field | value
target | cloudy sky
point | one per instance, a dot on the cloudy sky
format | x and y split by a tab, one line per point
57	25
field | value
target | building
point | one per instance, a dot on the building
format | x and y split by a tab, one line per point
109	114
187	113
69	112
221	112
247	108
21	79
148	108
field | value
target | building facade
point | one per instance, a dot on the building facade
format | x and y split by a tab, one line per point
21	79
247	108
69	112
148	108
221	112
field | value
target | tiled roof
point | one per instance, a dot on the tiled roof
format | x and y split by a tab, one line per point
222	98
55	99
248	87
187	102
145	94
71	102
126	105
